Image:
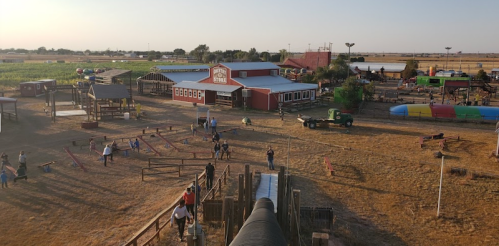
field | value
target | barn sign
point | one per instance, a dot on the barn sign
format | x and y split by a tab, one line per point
219	75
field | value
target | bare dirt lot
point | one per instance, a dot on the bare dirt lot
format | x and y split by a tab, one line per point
384	192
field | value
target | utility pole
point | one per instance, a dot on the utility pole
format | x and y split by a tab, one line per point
446	62
349	45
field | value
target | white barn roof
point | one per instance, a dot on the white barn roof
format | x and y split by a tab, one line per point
207	86
495	69
182	67
274	83
236	66
376	66
186	76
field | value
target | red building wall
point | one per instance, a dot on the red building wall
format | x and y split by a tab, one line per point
34	89
187	98
259	99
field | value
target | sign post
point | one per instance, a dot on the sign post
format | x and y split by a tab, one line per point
440	188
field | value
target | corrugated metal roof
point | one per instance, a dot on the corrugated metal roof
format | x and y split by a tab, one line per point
7	100
182	67
206	86
46	80
106	91
186	76
31	82
495	69
376	66
114	73
259	81
290	87
237	66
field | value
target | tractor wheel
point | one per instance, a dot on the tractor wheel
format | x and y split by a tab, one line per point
312	125
348	123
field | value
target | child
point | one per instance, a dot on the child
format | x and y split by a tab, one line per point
193	129
132	145
3	176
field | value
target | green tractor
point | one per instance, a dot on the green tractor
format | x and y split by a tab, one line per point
335	116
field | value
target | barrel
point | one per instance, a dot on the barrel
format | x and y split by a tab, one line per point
126	116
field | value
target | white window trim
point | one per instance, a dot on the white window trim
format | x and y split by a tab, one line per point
290	97
190	93
176	91
303	95
181	92
185	93
295	95
194	93
38	86
199	94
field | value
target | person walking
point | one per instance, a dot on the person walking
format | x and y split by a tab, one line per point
193	129
217	149
225	150
5	159
197	191
210	171
3	177
215	138
213	124
180	213
137	145
205	125
92	145
131	144
107	152
189	198
22	160
270	158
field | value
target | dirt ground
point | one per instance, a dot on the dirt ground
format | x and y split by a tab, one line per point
385	190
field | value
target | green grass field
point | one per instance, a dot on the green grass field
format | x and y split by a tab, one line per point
11	74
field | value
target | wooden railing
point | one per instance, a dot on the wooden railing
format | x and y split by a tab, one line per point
217	187
179	161
156	223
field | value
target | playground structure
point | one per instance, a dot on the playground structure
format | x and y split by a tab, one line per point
446	111
75	160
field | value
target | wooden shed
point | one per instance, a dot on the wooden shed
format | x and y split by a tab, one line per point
35	88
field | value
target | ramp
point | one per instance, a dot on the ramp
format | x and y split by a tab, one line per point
148	145
168	142
75	160
268	188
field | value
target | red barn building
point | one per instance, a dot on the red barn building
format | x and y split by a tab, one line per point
309	61
257	84
35	88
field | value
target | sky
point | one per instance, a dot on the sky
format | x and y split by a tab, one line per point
390	26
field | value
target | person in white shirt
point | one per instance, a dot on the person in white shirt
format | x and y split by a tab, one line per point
107	152
22	160
180	213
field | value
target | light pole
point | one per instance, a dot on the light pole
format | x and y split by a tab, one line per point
289	48
308	46
349	45
446	62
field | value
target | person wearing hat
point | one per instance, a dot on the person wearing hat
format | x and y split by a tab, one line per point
3	177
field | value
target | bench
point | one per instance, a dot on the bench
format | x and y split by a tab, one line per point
46	166
429	137
73	141
328	165
234	131
443	141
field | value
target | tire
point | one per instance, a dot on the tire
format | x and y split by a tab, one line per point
348	123
312	125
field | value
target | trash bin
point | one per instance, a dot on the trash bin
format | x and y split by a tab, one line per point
126	116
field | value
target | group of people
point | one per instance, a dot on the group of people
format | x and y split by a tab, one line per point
109	149
21	171
185	209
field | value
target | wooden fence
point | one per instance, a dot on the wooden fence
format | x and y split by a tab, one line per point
152	229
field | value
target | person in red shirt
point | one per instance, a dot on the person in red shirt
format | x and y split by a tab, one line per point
190	199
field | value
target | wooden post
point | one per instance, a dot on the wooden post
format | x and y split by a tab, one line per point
280	196
225	178
179	171
295	218
286	203
240	202
247	192
228	170
251	192
142	174
157	227
219	187
228	218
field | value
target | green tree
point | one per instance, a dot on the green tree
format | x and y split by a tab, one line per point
209	57
265	56
199	51
410	68
179	52
340	68
309	79
284	54
369	92
350	93
482	75
42	50
324	73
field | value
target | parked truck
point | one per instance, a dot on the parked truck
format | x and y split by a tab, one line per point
335	116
